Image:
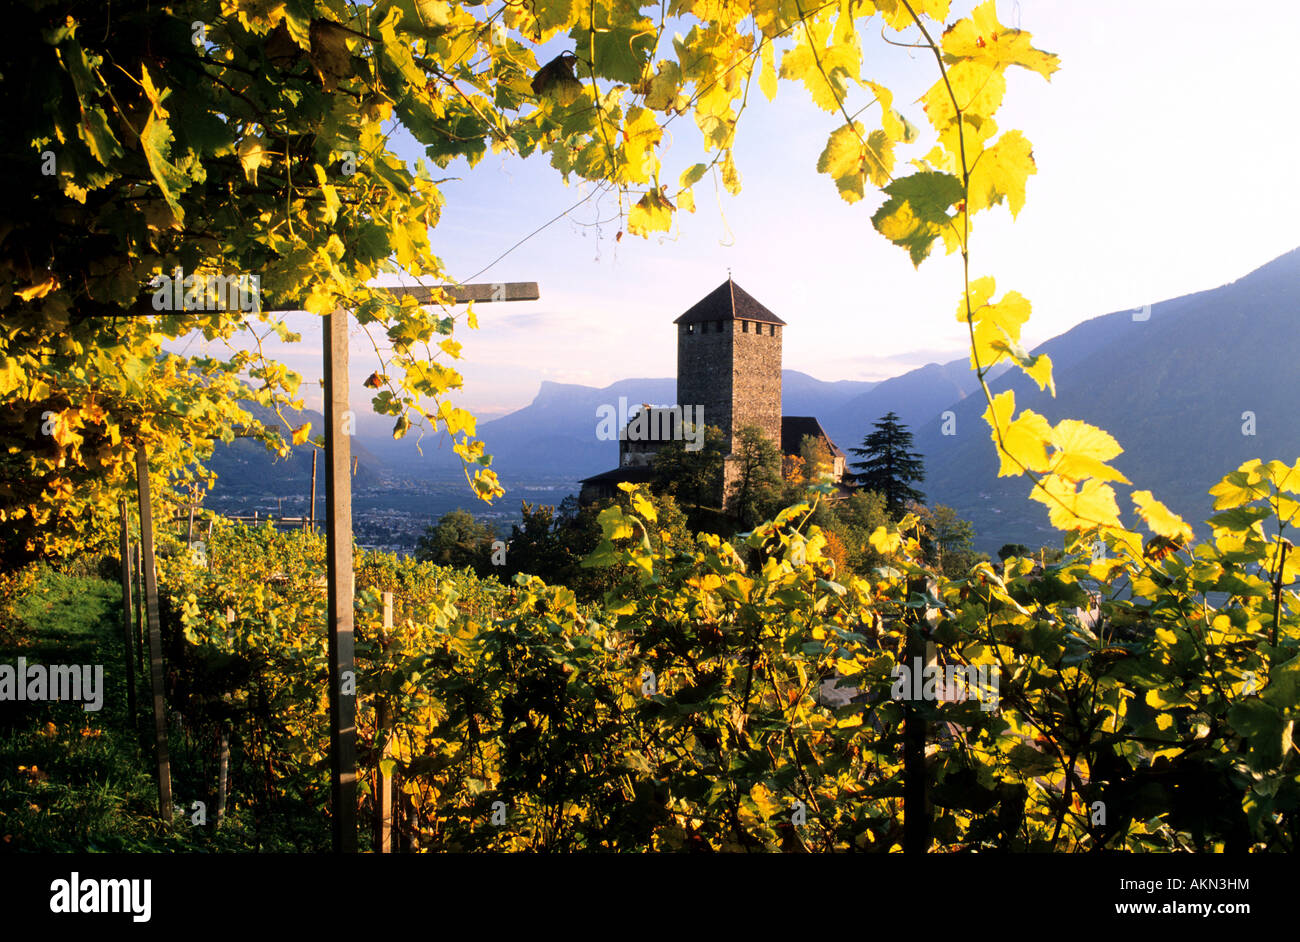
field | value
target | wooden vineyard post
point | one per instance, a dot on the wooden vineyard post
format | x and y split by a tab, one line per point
155	636
128	616
189	532
223	749
139	611
384	783
338	572
916	816
311	511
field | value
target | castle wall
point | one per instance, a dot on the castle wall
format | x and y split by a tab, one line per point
704	372
756	379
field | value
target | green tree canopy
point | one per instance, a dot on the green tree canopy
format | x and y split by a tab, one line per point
758	476
458	540
816	456
947	540
694	478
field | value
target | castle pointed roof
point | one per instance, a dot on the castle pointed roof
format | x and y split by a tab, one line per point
728	302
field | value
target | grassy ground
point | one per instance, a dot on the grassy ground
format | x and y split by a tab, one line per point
78	780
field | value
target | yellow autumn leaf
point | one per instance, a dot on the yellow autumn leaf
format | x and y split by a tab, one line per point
884	542
997	329
1082	450
1077	508
646	509
1281	476
1002	171
730	175
40	289
898	17
981	290
841	159
893	123
652	213
11	376
93	412
641	134
982	38
301	433
252	155
1161	520
978	87
823	61
1024	440
1242	486
767	73
319	301
63	427
456	420
1039	369
765	801
848	157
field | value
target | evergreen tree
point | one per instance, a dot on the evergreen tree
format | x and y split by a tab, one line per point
888	467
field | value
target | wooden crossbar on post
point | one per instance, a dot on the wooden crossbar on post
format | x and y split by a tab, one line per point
481	293
485	292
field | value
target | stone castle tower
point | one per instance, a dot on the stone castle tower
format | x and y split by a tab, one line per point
729	362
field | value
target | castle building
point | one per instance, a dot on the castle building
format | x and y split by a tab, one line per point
728	371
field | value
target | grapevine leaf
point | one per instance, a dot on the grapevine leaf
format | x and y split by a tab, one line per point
981	37
1001	171
1161	520
916	211
651	213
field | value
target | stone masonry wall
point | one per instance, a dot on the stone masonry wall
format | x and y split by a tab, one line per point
756	380
704	375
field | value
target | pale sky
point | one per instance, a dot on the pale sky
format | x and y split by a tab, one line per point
1167	158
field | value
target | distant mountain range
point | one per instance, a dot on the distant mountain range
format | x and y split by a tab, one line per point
1172	389
245	468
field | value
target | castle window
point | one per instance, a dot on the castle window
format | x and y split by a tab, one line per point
771	330
719	323
744	327
690	328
